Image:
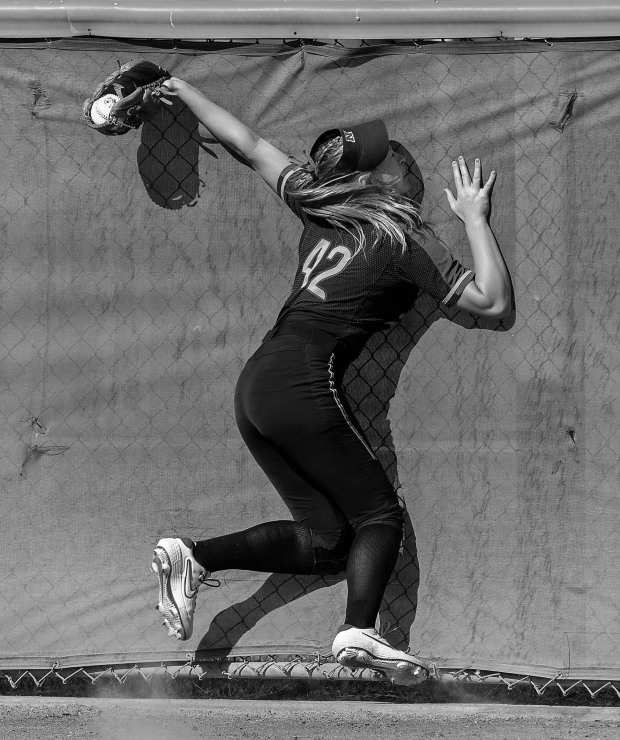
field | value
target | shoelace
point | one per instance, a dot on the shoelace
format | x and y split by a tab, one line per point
384	629
211	582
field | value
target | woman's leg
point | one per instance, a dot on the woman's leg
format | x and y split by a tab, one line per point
371	562
318	539
300	432
295	425
315	542
313	432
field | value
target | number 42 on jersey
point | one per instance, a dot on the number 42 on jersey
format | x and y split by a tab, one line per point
313	261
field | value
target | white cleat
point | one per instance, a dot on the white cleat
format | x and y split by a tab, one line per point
365	648
180	577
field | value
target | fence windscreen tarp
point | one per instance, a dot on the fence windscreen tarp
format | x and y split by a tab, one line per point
139	273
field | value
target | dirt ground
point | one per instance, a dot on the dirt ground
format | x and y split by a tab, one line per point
42	718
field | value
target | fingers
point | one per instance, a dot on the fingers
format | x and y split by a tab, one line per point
457	174
161	97
477	168
464	172
463	178
461	173
167	87
451	198
160	94
490	182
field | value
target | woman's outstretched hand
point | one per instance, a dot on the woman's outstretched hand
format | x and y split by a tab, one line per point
473	200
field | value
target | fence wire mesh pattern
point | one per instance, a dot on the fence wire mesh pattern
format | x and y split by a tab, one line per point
300	669
138	274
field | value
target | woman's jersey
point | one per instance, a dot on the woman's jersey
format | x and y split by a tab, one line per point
358	291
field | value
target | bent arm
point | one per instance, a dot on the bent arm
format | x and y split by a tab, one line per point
267	160
490	293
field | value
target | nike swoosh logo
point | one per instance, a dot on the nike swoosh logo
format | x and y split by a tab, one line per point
376	640
187	580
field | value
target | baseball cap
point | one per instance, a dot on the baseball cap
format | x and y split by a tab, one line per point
364	146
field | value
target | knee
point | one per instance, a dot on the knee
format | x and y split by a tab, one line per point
331	550
392	516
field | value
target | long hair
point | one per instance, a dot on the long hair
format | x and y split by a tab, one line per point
348	201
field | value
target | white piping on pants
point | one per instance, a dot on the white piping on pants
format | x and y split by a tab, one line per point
334	391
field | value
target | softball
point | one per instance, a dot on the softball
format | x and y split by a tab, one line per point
101	108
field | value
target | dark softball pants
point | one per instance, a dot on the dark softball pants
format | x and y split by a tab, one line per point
296	425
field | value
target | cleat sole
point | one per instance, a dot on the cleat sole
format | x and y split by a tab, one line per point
179	576
397	671
162	568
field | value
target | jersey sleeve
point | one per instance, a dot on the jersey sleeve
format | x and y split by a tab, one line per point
427	264
285	179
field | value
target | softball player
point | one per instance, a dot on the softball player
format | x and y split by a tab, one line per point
364	255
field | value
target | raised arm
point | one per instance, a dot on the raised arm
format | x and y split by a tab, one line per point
490	293
266	159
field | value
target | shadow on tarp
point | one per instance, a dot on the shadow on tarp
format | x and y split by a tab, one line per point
378	368
397	611
168	157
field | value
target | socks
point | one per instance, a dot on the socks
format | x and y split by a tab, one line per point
286	547
371	562
273	547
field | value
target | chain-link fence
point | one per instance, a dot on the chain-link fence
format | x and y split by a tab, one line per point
139	272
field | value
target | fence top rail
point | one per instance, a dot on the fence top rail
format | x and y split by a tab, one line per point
369	19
